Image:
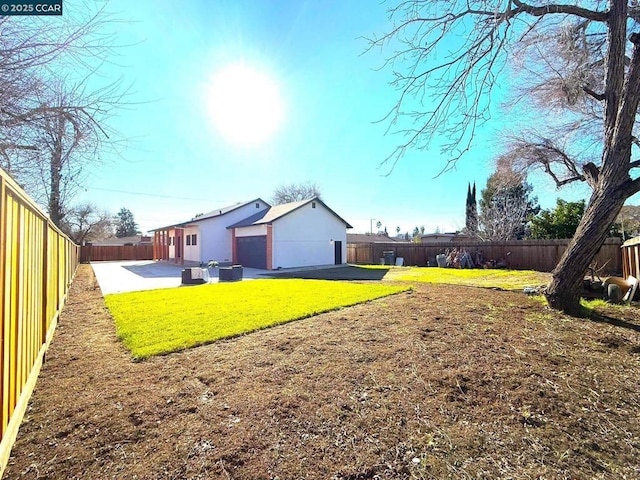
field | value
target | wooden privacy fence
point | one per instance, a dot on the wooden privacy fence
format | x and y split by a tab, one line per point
631	258
37	264
539	255
104	253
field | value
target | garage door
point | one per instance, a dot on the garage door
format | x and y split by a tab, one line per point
252	251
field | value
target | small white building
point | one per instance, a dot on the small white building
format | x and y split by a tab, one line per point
258	235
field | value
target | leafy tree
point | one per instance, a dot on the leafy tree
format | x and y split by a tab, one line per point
456	52
506	206
295	192
561	222
125	224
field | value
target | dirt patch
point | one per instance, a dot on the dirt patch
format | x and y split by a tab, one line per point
443	382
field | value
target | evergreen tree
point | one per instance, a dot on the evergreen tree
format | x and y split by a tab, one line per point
125	224
471	220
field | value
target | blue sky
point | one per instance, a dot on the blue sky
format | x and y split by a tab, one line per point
177	163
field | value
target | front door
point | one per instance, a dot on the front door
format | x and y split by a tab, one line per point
337	245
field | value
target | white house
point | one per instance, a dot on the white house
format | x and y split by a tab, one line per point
255	234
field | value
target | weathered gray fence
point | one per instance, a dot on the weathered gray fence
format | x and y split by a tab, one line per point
539	255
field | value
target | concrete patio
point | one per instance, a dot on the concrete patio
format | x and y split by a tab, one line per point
135	275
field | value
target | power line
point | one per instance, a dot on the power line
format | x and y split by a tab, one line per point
146	194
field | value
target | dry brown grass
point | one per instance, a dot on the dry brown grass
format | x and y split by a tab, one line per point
444	382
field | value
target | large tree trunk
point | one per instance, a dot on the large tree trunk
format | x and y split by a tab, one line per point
56	213
612	184
564	291
56	166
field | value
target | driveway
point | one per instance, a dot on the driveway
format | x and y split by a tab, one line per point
134	275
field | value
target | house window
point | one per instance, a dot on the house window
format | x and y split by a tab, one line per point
313	204
194	239
188	239
257	205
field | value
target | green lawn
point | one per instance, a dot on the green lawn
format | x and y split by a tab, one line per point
489	278
162	321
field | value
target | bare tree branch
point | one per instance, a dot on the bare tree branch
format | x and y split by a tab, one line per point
446	68
52	127
559	8
87	223
597	96
463	78
295	192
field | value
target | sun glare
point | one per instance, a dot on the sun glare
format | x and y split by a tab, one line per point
244	104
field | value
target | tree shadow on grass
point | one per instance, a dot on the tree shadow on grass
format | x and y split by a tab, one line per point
350	272
616	322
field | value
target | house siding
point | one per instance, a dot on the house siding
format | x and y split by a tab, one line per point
171	238
216	239
303	238
253	231
192	252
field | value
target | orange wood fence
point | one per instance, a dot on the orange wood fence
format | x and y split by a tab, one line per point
104	253
37	265
631	258
540	255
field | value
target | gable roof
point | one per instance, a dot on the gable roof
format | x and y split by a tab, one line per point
371	238
212	214
223	211
278	211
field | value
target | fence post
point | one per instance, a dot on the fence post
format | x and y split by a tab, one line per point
3	292
45	279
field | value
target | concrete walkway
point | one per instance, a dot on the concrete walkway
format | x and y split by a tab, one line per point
135	275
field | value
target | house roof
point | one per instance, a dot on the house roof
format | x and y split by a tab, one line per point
278	211
212	214
222	211
369	238
444	235
113	240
